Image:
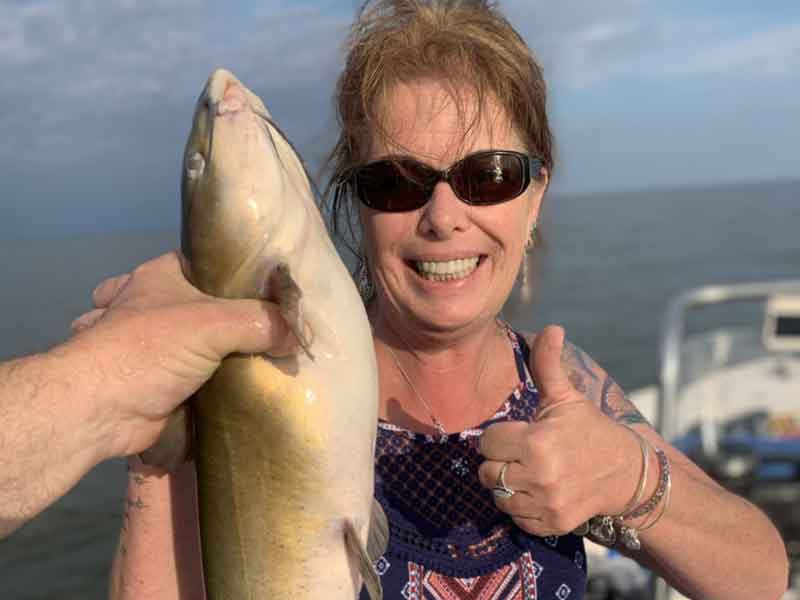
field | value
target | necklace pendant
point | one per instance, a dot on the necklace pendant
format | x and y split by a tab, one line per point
440	430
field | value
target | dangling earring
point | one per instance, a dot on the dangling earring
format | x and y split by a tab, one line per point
366	289
531	243
525	284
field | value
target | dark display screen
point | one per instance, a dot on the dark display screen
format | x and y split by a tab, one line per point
787	326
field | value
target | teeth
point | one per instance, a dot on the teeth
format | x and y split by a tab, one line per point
446	270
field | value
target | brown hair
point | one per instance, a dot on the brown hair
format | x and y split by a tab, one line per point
465	44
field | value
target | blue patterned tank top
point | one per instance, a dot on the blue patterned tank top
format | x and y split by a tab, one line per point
447	539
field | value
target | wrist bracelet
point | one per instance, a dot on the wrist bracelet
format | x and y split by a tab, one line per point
663	509
606	529
663	482
630	535
637	497
607	525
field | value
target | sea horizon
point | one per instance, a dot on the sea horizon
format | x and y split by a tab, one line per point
612	262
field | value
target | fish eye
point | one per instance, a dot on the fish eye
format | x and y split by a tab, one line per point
195	165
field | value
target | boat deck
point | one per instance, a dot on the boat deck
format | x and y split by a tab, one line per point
770	384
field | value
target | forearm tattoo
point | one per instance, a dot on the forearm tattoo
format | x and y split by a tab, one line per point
616	405
133	501
585	375
580	375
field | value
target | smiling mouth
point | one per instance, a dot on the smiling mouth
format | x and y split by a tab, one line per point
447	270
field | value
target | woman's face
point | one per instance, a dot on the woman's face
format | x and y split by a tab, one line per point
448	266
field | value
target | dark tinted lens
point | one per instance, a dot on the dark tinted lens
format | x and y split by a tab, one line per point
393	186
489	178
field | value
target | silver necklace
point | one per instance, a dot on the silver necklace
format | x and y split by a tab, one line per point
437	424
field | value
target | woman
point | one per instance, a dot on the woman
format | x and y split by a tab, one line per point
494	449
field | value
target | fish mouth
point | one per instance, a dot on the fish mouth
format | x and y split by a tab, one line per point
224	95
447	270
233	100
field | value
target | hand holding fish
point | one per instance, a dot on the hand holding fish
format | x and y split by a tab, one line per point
154	340
151	341
553	467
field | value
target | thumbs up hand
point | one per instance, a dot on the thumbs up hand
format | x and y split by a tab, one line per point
572	461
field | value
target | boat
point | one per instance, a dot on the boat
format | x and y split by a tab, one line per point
728	396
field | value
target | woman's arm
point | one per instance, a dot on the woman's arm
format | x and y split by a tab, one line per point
578	459
158	554
709	542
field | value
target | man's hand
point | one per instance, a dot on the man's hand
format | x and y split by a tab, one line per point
571	463
153	340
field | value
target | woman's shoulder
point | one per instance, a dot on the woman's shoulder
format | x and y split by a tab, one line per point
591	379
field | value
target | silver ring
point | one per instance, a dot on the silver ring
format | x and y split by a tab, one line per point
500	489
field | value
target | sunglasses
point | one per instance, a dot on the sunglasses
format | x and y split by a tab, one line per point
402	184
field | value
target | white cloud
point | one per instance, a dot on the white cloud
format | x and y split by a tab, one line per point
605	32
585	43
124	38
101	63
770	51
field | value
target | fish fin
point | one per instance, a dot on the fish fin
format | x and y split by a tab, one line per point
356	550
174	446
288	295
378	537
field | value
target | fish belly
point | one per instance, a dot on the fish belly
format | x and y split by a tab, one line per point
272	502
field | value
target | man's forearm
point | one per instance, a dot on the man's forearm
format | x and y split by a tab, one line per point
49	433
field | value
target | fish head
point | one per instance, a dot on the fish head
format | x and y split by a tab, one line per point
242	188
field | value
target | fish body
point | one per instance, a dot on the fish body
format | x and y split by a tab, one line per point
284	447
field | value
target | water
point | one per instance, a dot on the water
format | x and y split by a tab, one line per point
612	262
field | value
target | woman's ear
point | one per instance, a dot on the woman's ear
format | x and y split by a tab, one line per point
539	183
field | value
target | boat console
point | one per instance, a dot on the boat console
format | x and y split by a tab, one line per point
781	330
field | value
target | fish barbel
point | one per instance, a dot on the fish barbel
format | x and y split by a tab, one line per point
284	447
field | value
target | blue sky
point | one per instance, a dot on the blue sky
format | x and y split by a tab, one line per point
98	94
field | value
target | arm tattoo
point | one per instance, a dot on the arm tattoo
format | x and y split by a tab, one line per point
583	360
138	480
580	374
616	405
584	374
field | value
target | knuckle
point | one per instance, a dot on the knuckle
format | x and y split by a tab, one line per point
141	270
531	526
483	475
557	501
516	505
527	525
560	515
482	440
530	448
548	479
102	287
562	524
548	504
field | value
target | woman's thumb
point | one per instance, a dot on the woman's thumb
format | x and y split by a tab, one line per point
548	371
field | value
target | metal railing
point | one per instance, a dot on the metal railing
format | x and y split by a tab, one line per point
672	338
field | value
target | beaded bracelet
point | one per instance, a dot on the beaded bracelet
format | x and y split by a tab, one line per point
664	505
